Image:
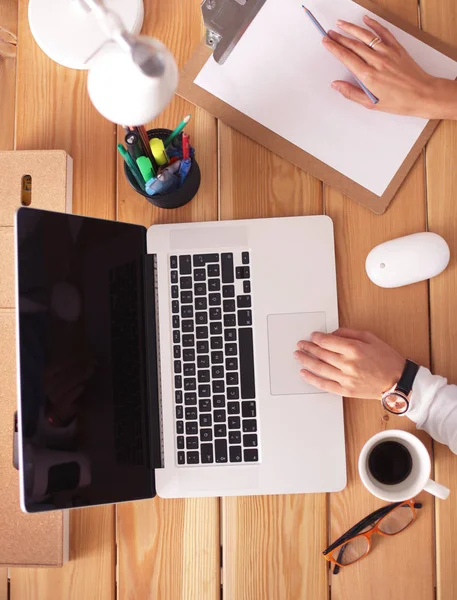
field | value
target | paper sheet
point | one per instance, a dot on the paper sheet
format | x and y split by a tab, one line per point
279	74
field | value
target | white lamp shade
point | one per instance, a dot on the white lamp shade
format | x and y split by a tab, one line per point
122	93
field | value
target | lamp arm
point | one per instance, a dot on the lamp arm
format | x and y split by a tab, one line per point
109	21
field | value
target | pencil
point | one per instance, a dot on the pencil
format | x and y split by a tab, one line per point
322	31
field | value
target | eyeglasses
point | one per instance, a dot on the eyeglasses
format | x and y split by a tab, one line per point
356	542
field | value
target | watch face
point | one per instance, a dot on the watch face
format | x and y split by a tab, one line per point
395	403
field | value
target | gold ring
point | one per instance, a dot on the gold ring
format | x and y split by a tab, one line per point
374	42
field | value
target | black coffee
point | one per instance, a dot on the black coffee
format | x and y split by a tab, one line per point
390	462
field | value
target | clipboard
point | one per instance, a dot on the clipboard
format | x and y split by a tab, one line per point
222	35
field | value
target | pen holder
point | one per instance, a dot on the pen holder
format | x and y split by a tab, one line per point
179	197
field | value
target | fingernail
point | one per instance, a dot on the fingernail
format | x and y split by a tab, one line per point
296	354
336	87
341	23
325	39
366	18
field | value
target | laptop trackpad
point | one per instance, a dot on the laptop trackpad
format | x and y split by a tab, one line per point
284	331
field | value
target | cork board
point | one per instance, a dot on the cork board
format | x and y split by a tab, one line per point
239	121
39	539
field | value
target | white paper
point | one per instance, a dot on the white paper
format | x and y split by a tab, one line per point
279	74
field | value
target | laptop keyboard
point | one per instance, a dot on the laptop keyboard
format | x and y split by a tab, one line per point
214	385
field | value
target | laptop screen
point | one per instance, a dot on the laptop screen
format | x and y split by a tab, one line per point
83	405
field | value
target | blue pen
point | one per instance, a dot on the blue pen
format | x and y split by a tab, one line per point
322	31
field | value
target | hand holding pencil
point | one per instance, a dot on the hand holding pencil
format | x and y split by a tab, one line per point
381	63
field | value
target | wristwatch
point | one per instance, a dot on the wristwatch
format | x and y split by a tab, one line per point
396	400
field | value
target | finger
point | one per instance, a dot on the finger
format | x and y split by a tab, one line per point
359	48
325	385
353	93
365	36
335	343
349	59
387	37
331	358
317	366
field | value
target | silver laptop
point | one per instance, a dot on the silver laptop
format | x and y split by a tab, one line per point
160	361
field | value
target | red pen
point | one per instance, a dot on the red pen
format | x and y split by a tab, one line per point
185	146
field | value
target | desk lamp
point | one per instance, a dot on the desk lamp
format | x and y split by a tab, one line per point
131	78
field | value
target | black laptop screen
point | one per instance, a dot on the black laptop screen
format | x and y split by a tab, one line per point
84	411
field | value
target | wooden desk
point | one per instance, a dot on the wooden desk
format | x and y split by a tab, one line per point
271	546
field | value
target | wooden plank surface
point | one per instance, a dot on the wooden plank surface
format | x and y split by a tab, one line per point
271	544
53	111
440	19
3	584
170	549
401	318
8	39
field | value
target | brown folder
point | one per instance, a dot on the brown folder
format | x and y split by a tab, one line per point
226	113
40	539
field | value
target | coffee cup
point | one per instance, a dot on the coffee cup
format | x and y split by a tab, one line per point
395	466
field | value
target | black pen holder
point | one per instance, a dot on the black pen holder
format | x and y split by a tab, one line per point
178	197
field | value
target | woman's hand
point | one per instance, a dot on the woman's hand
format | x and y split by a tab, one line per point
350	363
390	73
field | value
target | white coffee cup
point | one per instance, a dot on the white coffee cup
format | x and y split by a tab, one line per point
417	480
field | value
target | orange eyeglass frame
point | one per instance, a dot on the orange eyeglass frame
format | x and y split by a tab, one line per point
368	534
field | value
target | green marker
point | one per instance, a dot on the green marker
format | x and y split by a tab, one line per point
131	165
177	131
146	168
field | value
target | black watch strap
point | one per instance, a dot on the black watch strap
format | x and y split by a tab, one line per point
405	383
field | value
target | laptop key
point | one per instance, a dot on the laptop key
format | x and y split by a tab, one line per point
203	362
180	442
233	408
228	291
244	318
250	439
176	337
181	458
201	318
178	382
248	409
220	447
179	426
249	425
176	351
218	401
214	285
190	399
202	347
215	313
199	275
204	391
174	276
206	420
187	326
230	320
187	311
174	291
230	335
202	333
188	340
251	455
235	453
243	273
246	348
219	416
191	428
185	265
204	376
188	354
245	258
232	378
185	283
233	393
175	321
193	458
217	372
200	289
220	430
227	267
191	443
187	297
228	306
243	301
179	412
174	306
201	303
247	287
218	386
190	384
173	262
178	396
177	366
217	358
217	343
211	258
191	413
206	435
214	299
206	451
231	350
216	327
189	370
205	405
234	437
198	260
234	423
231	364
213	271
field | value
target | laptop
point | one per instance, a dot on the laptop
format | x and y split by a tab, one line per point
160	361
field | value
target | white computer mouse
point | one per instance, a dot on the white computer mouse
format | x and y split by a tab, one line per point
407	259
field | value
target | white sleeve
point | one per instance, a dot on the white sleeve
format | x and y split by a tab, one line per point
433	407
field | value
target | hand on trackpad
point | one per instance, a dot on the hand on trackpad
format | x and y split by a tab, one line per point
284	331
